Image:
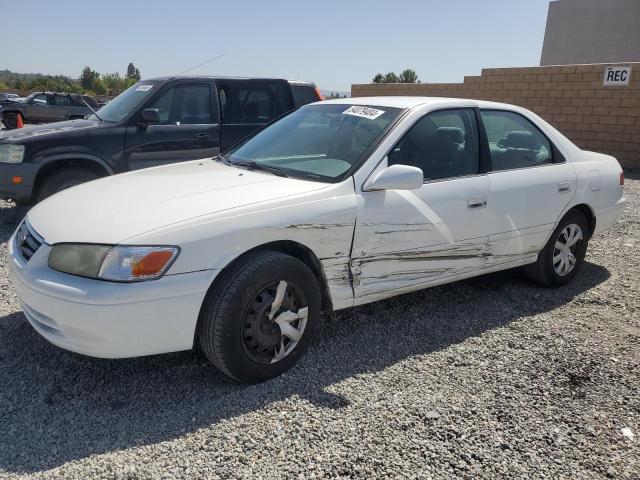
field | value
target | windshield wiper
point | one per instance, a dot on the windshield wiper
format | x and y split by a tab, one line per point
259	166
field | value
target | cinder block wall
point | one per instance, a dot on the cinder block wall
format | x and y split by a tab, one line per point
570	97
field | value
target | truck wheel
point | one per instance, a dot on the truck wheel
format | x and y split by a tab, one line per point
563	255
63	179
10	120
256	322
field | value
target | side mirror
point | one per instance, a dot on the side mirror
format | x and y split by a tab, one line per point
396	177
150	115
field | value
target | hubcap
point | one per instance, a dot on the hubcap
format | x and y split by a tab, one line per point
565	248
274	322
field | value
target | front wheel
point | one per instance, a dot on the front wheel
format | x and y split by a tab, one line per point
63	179
10	120
260	317
563	255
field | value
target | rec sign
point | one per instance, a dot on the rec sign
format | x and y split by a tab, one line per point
617	76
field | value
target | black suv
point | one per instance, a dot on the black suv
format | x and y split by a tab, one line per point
154	122
45	107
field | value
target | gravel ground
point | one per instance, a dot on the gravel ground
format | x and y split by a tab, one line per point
492	377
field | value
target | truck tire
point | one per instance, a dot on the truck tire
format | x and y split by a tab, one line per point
63	179
10	120
256	322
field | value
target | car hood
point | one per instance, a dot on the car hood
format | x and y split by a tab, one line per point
29	132
114	209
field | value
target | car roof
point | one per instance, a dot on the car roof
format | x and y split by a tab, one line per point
413	102
221	77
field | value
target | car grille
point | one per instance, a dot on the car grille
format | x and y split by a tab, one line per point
27	241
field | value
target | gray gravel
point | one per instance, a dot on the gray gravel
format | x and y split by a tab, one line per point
492	377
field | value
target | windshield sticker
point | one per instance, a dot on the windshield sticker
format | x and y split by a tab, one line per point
144	88
364	112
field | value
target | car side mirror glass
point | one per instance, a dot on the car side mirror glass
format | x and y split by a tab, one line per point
396	177
150	115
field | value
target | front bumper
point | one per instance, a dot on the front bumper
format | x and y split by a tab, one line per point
108	319
21	193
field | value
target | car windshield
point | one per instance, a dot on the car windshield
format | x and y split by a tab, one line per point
316	141
121	106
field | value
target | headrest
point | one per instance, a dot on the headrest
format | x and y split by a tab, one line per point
521	139
453	134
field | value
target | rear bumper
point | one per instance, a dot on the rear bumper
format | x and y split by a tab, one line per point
107	319
606	218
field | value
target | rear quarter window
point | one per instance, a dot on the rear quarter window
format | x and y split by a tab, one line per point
304	94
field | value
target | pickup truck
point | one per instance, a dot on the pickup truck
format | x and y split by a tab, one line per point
154	122
45	107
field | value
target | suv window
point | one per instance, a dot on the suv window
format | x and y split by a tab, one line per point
42	99
303	94
443	144
184	105
62	101
514	142
252	103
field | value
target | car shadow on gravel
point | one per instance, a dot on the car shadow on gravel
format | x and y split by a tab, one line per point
57	406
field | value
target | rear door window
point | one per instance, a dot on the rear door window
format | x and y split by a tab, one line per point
253	103
514	142
304	94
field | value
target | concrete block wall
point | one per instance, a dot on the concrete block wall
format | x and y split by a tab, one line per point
570	97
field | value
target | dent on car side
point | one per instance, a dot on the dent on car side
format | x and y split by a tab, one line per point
341	224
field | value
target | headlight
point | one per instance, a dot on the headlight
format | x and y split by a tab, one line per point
11	153
116	263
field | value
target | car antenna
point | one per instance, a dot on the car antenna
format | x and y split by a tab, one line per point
90	108
203	63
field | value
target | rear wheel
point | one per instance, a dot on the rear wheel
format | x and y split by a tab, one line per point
63	179
258	319
563	255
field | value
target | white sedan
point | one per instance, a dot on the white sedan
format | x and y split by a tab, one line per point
339	203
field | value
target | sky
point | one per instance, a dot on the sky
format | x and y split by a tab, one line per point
334	43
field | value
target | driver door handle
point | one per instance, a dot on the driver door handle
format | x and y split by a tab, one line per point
476	202
202	135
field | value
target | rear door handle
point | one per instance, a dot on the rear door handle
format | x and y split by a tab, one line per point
202	135
564	187
477	202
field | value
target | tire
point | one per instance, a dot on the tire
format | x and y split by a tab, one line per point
63	179
547	270
235	332
10	120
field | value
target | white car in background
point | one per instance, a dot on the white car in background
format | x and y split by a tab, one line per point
339	203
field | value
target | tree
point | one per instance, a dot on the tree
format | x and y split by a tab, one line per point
390	78
408	76
4	86
133	72
88	77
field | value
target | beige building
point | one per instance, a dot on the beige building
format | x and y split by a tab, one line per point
592	31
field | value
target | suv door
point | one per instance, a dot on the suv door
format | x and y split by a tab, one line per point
530	186
246	105
62	107
40	108
188	129
408	239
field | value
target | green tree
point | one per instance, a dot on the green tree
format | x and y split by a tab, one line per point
390	78
133	72
4	86
88	78
408	76
379	78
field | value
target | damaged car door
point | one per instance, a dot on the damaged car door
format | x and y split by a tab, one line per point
407	239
